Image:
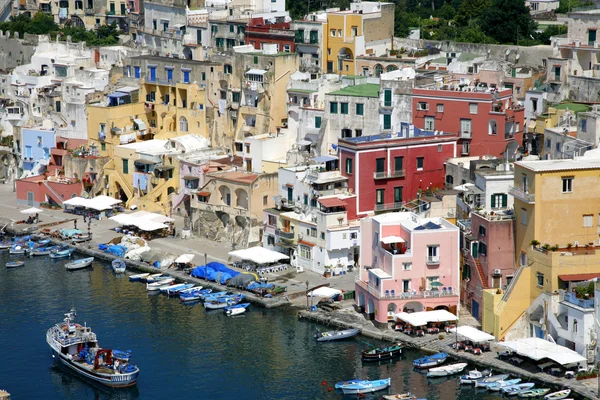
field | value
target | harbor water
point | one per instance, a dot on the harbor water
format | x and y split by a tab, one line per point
181	350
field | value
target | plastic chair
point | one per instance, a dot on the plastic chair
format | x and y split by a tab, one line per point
450	289
393	292
387	293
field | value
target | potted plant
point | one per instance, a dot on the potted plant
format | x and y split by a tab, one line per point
441	337
545	246
327	273
535	243
554	248
569	245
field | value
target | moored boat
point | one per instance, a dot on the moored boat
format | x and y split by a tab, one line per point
138	277
534	392
561	394
194	295
485	382
236	309
15	264
518	388
498	385
336	335
349	382
43	251
18	249
223	302
62	253
400	396
77	348
79	264
366	386
174	286
446	370
177	290
156	277
382	353
189	289
158	284
430	361
474	375
118	266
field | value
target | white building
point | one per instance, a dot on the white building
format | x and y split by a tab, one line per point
540	6
267	152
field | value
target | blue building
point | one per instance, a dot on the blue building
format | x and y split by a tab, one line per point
37	143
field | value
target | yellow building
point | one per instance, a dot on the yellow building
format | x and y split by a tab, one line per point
350	33
557	218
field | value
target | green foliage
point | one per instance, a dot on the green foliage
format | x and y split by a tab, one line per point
568	5
585	291
471	10
507	21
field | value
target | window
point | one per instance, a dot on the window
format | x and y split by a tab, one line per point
524	183
272	220
482	248
407	266
304	252
332	32
420	161
322	235
186	76
429	123
422	106
183	124
523	216
499	200
387	97
449	179
360	109
235	97
558	147
584	125
433	254
317	122
406	285
265	200
358	132
482	230
567	185
379	196
339	33
169	71
313	232
574	325
440	108
103	146
349	165
548	143
398	194
440	148
270	240
540	279
227	68
472	108
465	127
343	108
28	153
387	121
380	165
333	107
588	220
353	235
354	31
125	166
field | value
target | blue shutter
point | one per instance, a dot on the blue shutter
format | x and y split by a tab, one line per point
186	76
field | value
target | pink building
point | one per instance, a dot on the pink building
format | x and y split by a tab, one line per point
39	189
407	263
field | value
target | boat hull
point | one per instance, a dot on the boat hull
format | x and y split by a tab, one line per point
366	387
329	337
381	355
79	264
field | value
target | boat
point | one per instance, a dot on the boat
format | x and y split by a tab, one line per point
18	249
172	287
194	295
212	296
561	394
430	361
516	389
400	396
382	353
236	309
43	251
223	302
187	290
138	277
496	386
490	379
336	335
62	253
366	386
41	243
15	264
81	238
76	347
177	290
534	392
474	375
446	370
118	266
156	277
6	245
158	284
79	264
349	382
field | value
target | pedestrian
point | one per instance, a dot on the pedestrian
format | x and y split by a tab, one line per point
174	233
84	221
75	223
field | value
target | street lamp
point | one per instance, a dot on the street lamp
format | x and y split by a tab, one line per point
307	296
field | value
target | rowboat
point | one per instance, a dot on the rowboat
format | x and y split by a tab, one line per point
138	277
79	264
15	264
175	291
172	287
81	238
400	396
366	386
62	253
337	335
516	389
561	394
118	266
156	277
223	302
189	290
234	311
382	353
194	295
446	370
41	243
18	249
485	382
430	361
158	284
43	251
212	296
534	392
6	245
496	386
349	382
474	376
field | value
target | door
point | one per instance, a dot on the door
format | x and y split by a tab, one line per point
591	37
475	308
199	36
290	194
152	74
30	198
123	9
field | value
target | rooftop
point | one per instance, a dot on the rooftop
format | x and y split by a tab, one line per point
153	144
413	222
591	161
236	176
164	60
575	107
364	90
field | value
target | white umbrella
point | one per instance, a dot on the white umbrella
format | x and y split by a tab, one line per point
185	258
32	210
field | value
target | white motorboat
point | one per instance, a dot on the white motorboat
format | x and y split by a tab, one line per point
446	370
172	287
561	394
366	386
118	266
79	264
138	277
474	376
235	311
497	386
156	277
159	284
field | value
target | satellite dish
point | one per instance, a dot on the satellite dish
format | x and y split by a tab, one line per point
517	56
511	150
507	52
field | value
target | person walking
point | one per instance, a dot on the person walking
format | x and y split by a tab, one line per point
84	221
174	233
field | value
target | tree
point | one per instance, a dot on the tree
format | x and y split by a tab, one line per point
447	12
470	10
507	20
42	24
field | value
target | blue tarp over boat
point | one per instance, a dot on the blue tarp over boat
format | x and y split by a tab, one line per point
215	272
117	250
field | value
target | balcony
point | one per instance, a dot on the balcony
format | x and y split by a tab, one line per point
466	135
522	195
389	206
284	235
398	173
409	295
583	303
433	261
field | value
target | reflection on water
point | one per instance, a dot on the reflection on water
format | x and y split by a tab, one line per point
182	350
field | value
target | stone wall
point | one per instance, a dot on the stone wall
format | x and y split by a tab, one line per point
221	227
16	51
380	28
584	89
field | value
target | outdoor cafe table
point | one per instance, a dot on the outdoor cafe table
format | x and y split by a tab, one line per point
542	367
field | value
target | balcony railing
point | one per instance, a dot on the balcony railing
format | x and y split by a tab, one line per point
284	235
522	195
389	206
466	135
583	303
398	173
408	295
433	261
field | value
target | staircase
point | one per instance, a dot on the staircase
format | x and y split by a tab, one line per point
482	277
125	185
56	196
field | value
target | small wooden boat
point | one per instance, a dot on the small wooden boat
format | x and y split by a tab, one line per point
382	353
81	238
158	284
6	245
336	335
43	251
497	386
62	253
446	370
174	286
175	291
561	394
474	376
400	396
118	266
15	264
194	295
485	382
41	243
156	277
138	277
223	302
212	296
366	386
19	250
534	392
349	382
187	290
430	361
516	389
79	264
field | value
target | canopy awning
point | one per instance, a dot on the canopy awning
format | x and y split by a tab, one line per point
537	349
117	95
259	255
178	26
128	89
185	258
97	203
392	239
578	277
324	291
32	210
332	202
473	334
190	178
140	124
256	72
164	167
424	317
204	194
149	226
146	162
304	142
144	220
323	159
381	274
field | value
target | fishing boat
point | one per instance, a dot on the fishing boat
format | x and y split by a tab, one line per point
516	389
15	264
174	286
76	347
400	396
485	382
158	284
184	286
534	392
336	335
561	394
194	295
212	296
156	277
118	266
138	277
43	251
81	238
446	370
62	253
497	386
474	376
18	249
41	243
79	264
430	361
366	386
223	302
6	245
349	382
382	353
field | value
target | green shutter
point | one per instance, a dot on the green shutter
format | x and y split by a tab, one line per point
493	201
504	200
387	97
317	122
387	121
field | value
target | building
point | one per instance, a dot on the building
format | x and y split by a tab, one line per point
485	119
267	152
395	94
37	143
556	225
589	126
562	142
386	170
260	32
402	258
42	189
542	6
352	111
309	36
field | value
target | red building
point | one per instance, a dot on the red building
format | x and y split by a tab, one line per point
259	33
485	120
386	171
47	189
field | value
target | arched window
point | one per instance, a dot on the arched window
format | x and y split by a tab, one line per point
574	326
183	124
378	70
391	68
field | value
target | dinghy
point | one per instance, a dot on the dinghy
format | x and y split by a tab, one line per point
534	392
79	264
19	250
561	394
366	386
382	353
156	277
177	290
43	251
474	376
518	388
62	253
15	264
234	311
485	382
400	396
118	266
158	284
446	370
138	277
497	386
349	382
336	335
430	361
